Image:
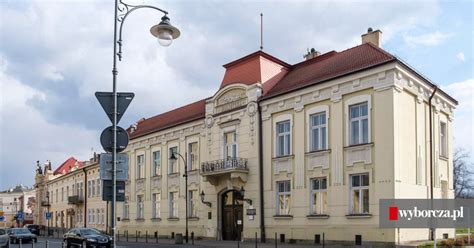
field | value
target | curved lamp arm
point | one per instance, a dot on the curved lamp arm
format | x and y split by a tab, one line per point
122	18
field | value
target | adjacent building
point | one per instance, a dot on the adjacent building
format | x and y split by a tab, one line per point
72	194
18	200
298	150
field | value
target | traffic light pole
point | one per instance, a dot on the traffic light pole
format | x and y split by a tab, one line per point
114	128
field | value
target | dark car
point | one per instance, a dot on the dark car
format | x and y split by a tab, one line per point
22	235
35	229
86	237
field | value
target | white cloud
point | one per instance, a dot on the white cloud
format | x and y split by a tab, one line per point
464	113
50	72
461	56
430	39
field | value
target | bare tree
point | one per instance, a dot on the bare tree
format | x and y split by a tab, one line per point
463	174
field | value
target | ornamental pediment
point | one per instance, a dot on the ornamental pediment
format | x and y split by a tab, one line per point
231	99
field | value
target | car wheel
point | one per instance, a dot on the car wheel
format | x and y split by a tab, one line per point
35	240
84	244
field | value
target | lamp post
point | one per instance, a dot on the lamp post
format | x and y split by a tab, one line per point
185	175
209	204
165	33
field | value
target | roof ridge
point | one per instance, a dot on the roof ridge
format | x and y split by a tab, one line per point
316	59
184	106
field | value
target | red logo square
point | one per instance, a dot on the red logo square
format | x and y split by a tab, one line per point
393	213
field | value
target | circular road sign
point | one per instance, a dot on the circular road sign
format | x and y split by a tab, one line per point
107	139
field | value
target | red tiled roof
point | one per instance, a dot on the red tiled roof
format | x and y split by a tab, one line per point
66	167
190	112
330	65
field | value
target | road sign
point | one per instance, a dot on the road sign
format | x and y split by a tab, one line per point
251	211
107	139
1	213
106	100
2	218
48	215
20	216
107	190
106	166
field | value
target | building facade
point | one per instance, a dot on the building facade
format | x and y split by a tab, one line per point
72	194
19	199
298	150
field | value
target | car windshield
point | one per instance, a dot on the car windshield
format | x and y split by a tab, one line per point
21	231
89	231
2	232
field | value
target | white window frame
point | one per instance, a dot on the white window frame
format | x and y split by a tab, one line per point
361	189
354	101
140	206
156	201
309	113
173	204
98	187
156	167
285	194
443	139
277	120
126	209
193	157
173	165
140	166
93	187
192	203
322	194
233	146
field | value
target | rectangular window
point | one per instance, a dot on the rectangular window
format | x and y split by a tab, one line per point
230	145
93	188
283	197
156	163
173	163
318	131
359	197
98	187
98	216
67	191
62	194
140	166
57	195
102	218
319	196
443	141
173	204
92	216
192	203
140	206
359	124
89	188
283	145
193	156
125	209
156	200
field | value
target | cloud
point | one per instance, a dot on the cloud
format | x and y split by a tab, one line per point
464	113
461	56
430	39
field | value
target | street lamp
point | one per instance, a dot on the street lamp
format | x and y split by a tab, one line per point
242	193
202	199
185	175
165	33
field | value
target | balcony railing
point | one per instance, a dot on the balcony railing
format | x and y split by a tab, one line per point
75	199
223	165
45	203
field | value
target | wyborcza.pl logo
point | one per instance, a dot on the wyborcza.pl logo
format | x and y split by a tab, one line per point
426	213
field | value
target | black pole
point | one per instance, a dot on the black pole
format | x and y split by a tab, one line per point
323	240
114	126
146	236
260	167
127	236
255	239
276	243
431	153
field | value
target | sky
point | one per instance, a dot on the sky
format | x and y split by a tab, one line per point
55	54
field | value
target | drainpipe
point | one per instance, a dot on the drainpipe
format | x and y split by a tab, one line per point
260	162
431	150
85	197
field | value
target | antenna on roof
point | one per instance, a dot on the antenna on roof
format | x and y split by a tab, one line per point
261	31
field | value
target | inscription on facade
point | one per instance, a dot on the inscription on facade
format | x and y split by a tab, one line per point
231	100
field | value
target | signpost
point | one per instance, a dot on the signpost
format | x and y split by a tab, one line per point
106	169
108	192
48	215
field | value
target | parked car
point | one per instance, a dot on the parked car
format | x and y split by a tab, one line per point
86	237
35	229
3	238
23	234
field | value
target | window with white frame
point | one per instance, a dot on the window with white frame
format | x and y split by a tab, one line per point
98	216
173	163
102	218
67	191
156	163
358	124
193	156
318	126
230	145
156	200
57	195
140	166
92	216
89	188
283	138
319	196
443	141
359	197
62	194
126	209
173	204
98	186
192	203
283	197
140	206
93	188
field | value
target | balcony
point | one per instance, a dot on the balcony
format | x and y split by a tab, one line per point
45	203
232	168
75	199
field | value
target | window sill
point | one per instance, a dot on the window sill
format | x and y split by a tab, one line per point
317	216
174	174
126	219
140	179
443	158
349	147
173	218
358	216
156	219
282	217
139	219
286	157
156	176
193	218
317	152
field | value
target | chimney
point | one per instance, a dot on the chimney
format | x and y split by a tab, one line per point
311	54
374	37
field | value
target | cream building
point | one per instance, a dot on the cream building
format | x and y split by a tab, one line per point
72	193
15	200
314	145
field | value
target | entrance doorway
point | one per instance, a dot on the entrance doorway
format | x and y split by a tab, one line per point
232	215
